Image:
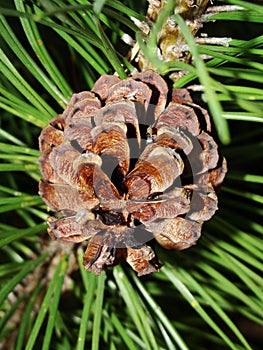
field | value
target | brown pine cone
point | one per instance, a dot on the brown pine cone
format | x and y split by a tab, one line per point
127	163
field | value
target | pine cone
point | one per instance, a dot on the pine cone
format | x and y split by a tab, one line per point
127	163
